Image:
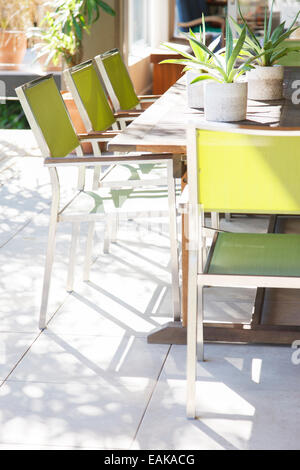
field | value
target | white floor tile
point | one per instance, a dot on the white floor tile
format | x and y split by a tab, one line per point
90	380
70	415
91	359
12	348
246	399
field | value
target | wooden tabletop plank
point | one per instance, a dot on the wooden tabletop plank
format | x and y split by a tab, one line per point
162	127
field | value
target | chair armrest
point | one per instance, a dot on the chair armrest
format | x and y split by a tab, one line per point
111	158
145	98
127	114
98	136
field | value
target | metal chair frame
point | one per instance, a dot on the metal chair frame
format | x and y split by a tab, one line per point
57	214
198	275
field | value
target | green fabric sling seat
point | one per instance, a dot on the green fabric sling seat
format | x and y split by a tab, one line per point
90	98
120	79
118	83
238	169
256	254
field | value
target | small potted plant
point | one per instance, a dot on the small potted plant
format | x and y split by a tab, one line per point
193	67
225	94
265	80
15	19
62	30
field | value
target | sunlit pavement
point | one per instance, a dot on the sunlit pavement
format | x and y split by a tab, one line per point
91	380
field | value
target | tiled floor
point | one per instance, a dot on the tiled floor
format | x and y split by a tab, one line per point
91	381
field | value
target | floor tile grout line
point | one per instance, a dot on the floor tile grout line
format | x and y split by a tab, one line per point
22	227
21	358
150	397
30	346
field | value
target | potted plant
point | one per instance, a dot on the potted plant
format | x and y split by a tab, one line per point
15	19
265	80
225	95
61	32
195	91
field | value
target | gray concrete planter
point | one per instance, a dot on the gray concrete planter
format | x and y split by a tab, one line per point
265	83
195	91
225	102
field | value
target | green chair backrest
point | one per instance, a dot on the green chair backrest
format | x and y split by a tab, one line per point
119	79
46	111
240	172
92	96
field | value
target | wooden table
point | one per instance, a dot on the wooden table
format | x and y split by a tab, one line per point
162	128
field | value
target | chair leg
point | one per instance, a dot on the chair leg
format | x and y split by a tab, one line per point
215	220
47	274
173	242
200	338
107	234
114	228
88	253
192	336
81	178
96	177
50	247
72	259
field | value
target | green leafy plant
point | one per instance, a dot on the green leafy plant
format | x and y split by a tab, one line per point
270	48
220	66
62	29
12	116
200	54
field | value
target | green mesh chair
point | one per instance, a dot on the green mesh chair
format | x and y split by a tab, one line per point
50	122
85	85
239	171
118	83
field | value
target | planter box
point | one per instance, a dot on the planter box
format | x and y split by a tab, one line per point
13	45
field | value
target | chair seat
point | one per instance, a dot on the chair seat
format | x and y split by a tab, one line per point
136	202
256	254
142	173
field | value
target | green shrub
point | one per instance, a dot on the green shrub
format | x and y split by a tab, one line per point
12	116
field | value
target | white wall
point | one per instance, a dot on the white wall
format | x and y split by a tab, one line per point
102	36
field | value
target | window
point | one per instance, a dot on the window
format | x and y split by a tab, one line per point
139	27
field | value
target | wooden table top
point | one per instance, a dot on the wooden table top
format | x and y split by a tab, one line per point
162	127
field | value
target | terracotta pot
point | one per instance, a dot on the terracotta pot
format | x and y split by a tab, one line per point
50	67
13	45
76	119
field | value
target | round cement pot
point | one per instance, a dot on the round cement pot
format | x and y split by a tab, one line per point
13	45
195	91
225	102
265	83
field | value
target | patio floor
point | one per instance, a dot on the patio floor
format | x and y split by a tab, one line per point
91	381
